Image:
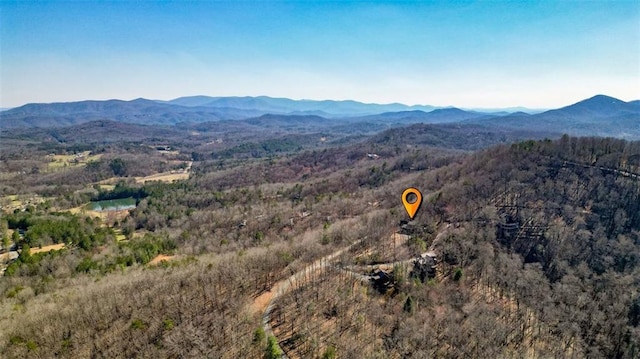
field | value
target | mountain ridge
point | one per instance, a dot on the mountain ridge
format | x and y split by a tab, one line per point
599	115
282	105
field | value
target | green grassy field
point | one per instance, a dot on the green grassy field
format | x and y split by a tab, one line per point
77	160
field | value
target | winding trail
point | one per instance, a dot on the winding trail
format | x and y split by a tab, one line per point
283	286
266	301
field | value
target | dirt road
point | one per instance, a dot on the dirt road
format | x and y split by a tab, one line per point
265	302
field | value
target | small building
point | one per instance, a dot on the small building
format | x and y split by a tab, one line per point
424	267
382	281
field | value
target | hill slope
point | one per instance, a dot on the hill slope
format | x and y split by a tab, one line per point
597	116
539	244
267	104
454	136
139	111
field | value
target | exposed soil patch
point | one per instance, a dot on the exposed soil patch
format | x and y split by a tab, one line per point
260	304
168	176
164	177
161	257
52	247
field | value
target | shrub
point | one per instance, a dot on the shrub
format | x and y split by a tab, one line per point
167	324
329	353
273	350
138	324
258	336
457	275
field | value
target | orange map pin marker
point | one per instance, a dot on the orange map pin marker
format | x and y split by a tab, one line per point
411	199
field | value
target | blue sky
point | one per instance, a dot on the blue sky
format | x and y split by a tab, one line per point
468	54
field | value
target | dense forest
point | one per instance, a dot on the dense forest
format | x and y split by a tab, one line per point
273	246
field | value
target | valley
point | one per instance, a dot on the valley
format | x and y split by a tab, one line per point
284	234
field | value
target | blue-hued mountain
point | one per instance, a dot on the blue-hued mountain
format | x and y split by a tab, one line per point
597	116
442	115
265	104
195	109
138	111
597	107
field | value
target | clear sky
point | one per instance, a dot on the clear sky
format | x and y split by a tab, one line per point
468	54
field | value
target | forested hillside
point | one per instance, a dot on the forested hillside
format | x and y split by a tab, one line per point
566	216
319	179
536	245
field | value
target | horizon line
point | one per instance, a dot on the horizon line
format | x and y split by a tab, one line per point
316	100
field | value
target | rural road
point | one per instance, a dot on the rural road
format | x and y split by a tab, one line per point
281	287
299	278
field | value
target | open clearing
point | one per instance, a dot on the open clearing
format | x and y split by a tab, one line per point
260	304
160	258
164	177
168	176
76	160
52	247
105	216
12	202
119	235
107	187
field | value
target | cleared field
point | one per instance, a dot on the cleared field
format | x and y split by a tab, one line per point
105	216
167	176
13	202
107	187
161	258
52	247
77	160
8	256
119	235
163	177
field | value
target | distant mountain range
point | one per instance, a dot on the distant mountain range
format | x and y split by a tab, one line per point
597	116
327	108
139	111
